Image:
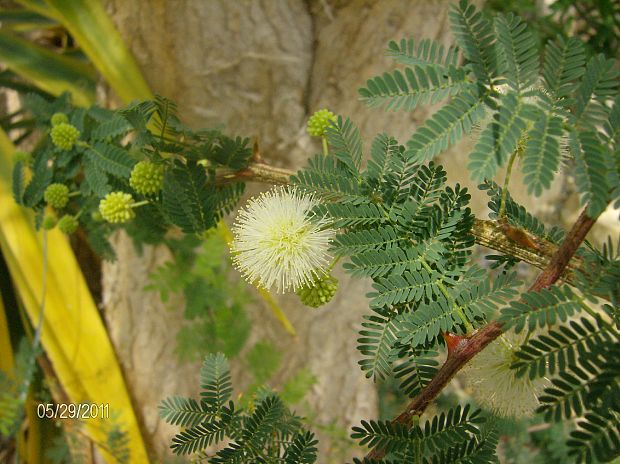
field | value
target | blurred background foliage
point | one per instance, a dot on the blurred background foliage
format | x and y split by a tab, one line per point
595	22
48	47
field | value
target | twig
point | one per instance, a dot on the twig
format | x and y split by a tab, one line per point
466	351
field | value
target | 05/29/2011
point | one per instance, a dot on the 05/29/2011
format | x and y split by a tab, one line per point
73	411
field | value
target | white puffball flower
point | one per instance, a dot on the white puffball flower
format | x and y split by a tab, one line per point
279	242
496	386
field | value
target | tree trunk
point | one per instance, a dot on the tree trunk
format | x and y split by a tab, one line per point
261	68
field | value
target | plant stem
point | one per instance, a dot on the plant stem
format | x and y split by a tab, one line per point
325	146
140	203
333	264
502	205
466	351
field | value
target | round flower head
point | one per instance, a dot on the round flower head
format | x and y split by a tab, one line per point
320	121
49	222
56	195
58	118
64	136
116	207
68	224
496	386
279	242
319	292
147	178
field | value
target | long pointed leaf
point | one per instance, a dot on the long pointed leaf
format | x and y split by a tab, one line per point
92	28
49	71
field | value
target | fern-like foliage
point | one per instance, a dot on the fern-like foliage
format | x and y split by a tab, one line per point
531	109
416	371
537	309
457	432
101	161
265	429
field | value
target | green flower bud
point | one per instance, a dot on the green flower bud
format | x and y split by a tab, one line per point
59	118
64	136
147	178
68	224
116	207
320	292
49	222
320	121
96	216
56	195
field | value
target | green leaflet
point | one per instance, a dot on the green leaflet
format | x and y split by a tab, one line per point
376	342
110	159
481	299
446	127
18	182
541	157
356	242
456	431
303	449
115	126
541	308
346	143
599	82
233	153
518	52
561	347
394	261
428	52
348	215
475	36
418	85
590	170
385	158
215	381
329	180
41	178
500	137
564	64
423	326
416	370
96	178
406	288
185	197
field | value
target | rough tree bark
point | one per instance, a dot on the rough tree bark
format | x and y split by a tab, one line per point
261	67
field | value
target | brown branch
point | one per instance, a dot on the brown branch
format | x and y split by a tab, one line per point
467	350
